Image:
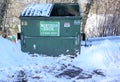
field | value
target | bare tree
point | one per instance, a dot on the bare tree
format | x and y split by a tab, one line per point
110	25
106	16
3	10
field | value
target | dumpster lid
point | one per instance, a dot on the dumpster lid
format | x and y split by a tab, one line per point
56	9
37	10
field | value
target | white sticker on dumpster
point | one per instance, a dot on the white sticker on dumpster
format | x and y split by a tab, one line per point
66	24
49	28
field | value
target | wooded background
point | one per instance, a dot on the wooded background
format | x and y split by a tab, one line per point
99	17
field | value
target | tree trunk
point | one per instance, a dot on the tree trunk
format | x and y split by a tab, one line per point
85	14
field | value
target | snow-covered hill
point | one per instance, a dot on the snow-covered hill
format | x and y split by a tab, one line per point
97	63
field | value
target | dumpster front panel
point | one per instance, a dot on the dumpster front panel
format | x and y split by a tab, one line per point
52	46
51	36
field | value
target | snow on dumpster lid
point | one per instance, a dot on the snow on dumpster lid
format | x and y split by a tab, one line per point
37	10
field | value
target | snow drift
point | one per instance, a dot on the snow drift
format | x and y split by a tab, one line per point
102	55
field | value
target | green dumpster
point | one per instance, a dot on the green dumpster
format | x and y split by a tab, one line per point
51	29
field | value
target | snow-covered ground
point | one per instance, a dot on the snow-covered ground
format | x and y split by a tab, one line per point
99	62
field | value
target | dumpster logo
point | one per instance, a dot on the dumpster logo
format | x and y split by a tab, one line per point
49	28
24	23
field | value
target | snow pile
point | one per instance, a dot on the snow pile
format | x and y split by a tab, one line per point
97	63
11	54
100	56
